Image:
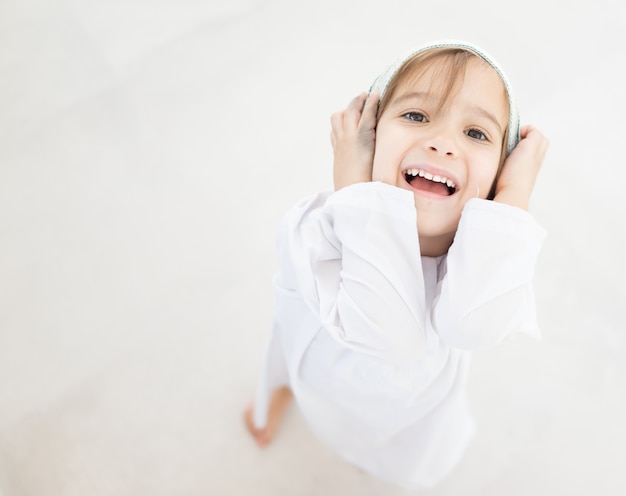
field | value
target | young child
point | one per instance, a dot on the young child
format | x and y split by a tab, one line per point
424	252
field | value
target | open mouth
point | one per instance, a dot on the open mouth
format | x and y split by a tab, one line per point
431	183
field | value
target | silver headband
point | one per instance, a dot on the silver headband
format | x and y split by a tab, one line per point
382	81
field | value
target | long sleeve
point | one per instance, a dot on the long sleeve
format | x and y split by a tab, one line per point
354	257
487	293
371	335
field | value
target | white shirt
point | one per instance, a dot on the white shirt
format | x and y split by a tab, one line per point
374	340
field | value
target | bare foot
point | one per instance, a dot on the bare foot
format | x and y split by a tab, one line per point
281	398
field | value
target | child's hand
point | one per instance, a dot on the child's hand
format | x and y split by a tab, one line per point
520	170
353	138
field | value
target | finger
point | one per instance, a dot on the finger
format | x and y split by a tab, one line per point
356	104
354	109
370	111
530	132
526	130
523	132
336	121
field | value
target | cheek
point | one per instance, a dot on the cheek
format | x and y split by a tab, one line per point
482	176
378	170
386	155
486	168
381	158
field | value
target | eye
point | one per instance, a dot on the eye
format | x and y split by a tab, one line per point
476	134
415	116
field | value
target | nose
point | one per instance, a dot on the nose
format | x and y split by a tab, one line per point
441	142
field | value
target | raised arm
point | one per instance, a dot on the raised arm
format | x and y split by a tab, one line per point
487	293
353	257
355	252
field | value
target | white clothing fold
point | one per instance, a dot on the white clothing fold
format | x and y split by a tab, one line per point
374	340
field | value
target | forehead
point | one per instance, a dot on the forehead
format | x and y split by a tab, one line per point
447	73
443	79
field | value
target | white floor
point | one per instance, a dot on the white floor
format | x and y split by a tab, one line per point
147	151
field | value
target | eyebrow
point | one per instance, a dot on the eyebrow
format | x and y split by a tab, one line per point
409	96
428	96
487	115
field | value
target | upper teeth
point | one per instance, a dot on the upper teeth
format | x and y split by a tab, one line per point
431	177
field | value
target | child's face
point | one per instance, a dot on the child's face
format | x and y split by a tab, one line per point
457	148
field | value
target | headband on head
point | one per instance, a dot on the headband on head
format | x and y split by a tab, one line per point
382	81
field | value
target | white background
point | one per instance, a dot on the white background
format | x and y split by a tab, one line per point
147	151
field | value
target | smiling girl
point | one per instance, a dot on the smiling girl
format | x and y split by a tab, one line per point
424	252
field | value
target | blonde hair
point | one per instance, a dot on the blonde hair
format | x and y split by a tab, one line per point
451	64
